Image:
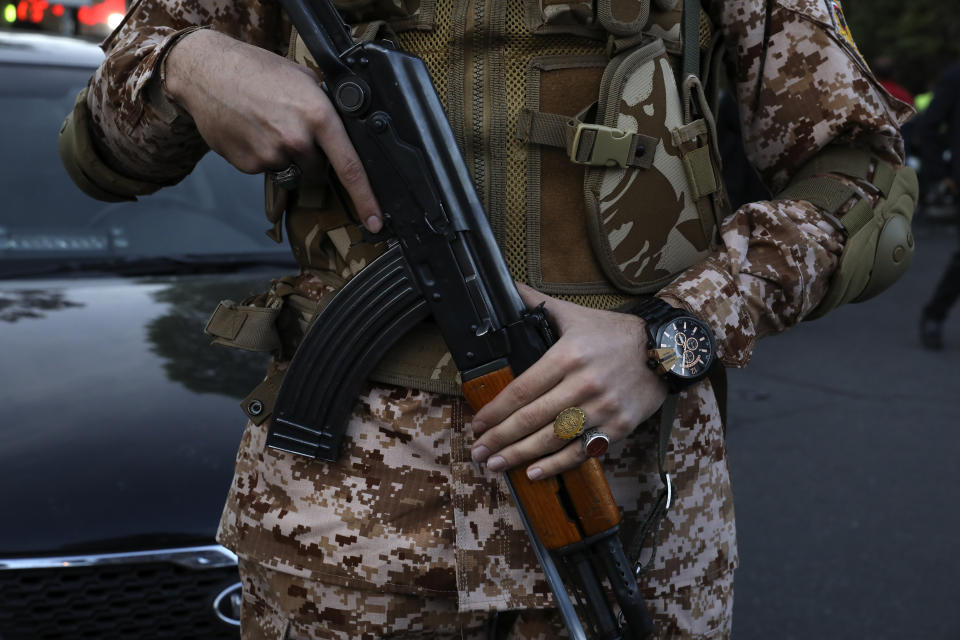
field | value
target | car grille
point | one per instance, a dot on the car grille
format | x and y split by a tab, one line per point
138	597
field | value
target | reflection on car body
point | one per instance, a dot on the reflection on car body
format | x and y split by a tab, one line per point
121	423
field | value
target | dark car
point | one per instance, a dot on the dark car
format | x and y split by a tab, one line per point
119	422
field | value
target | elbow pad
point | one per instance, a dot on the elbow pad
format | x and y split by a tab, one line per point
879	241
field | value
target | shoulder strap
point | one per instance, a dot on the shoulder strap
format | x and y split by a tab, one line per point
691	38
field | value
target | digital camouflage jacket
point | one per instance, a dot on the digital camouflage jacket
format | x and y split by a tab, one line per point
405	509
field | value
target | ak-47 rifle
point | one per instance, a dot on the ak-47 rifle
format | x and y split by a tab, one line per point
441	261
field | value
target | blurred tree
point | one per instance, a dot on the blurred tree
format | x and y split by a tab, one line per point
189	358
923	36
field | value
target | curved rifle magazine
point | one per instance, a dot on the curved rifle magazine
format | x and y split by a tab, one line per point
344	344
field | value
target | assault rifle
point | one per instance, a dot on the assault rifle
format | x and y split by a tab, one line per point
442	261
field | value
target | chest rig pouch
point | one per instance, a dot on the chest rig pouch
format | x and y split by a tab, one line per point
643	148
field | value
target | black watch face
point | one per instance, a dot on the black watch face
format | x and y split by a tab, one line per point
692	342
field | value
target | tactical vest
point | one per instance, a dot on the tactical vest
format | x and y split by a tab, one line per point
593	152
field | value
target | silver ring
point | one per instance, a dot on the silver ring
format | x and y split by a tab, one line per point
595	442
288	178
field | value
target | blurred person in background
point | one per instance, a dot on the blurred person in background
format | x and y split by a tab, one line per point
943	113
884	68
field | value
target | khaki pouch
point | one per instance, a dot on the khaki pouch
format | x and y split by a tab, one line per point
650	220
637	172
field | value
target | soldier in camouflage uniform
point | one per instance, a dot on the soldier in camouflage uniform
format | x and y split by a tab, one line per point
411	532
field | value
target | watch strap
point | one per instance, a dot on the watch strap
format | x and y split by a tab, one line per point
656	311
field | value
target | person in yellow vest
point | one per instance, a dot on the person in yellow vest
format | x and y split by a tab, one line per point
411	532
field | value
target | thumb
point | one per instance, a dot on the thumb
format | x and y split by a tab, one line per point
554	308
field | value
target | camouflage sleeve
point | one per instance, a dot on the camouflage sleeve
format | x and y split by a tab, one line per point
801	84
138	131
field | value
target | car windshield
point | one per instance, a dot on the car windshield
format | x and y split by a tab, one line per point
215	214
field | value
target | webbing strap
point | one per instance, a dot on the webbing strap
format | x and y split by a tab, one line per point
829	195
667	413
689	133
551	129
883	177
651	526
691	38
846	160
814	184
699	166
852	162
858	216
826	193
258	405
586	143
244	327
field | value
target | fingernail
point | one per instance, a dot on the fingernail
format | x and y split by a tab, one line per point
479	453
479	426
496	463
374	224
534	473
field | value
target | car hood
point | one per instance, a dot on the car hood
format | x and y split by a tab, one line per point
120	422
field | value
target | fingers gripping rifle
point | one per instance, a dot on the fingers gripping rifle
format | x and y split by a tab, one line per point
441	261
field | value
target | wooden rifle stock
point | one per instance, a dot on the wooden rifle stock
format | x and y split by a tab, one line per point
593	523
586	486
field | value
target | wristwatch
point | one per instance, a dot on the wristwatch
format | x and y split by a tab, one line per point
680	347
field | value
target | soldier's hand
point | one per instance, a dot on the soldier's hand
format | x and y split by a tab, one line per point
263	112
598	364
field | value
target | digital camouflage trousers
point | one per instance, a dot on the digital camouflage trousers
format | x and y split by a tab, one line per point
281	606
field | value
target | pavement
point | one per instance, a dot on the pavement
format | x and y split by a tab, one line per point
844	443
